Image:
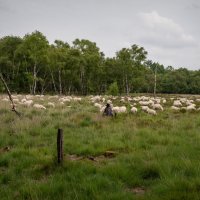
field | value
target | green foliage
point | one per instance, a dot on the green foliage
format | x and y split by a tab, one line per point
155	155
31	64
113	89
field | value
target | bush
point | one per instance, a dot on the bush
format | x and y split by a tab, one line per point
113	89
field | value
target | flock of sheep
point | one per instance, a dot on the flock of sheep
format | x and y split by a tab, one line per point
149	105
146	104
31	101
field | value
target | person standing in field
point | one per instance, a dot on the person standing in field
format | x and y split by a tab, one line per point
108	110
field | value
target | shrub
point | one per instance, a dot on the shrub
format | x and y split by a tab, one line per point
113	89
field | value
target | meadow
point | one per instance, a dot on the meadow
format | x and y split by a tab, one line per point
154	156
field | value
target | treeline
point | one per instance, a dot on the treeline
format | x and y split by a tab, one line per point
31	65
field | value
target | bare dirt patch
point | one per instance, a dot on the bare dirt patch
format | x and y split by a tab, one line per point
103	157
137	190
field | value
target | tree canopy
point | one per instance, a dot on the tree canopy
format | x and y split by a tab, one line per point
31	64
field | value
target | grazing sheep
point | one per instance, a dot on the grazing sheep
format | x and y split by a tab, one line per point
109	101
183	100
164	101
121	109
145	108
177	103
29	96
77	99
175	108
102	109
145	103
27	103
189	102
16	100
51	104
122	100
183	108
151	111
134	109
129	99
115	109
52	97
65	99
157	107
98	105
157	101
23	100
95	98
191	107
5	99
143	98
39	106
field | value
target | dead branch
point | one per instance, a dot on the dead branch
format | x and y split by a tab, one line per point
9	94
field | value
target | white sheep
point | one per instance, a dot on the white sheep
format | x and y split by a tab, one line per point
122	109
129	99
51	104
183	108
151	111
95	98
39	106
109	101
29	96
119	109
177	103
77	99
27	103
145	108
164	101
15	100
157	107
157	101
134	109
115	109
52	97
145	103
102	109
189	102
191	107
98	105
23	100
65	99
175	108
5	99
143	98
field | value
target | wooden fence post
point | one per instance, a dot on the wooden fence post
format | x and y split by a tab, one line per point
60	145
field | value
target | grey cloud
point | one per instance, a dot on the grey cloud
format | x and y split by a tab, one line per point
112	24
165	32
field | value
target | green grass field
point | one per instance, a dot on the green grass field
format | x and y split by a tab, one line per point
157	157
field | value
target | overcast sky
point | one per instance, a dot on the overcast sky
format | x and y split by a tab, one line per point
168	29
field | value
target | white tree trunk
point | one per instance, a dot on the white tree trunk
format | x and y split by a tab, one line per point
127	86
60	81
53	81
155	82
34	78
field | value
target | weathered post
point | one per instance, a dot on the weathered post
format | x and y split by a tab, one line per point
60	145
